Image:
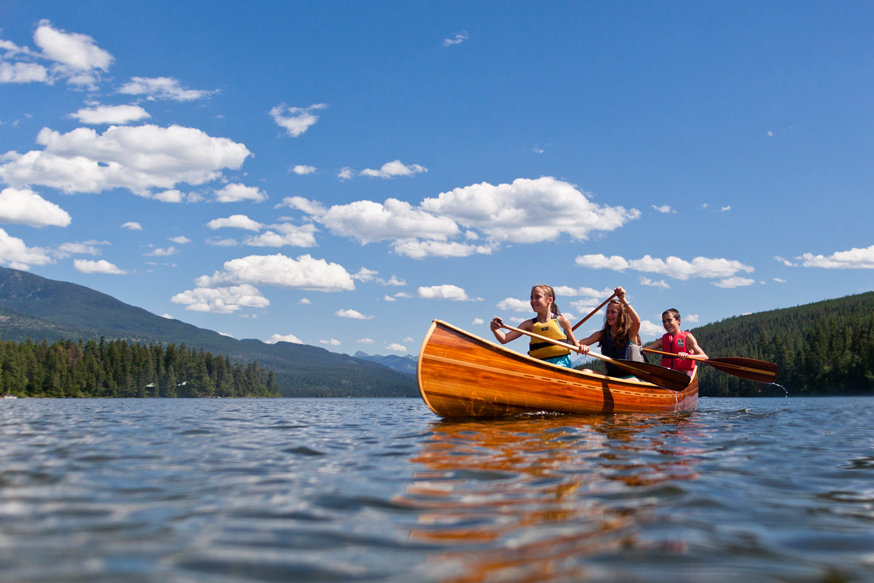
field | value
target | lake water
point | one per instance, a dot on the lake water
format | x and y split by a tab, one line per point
383	490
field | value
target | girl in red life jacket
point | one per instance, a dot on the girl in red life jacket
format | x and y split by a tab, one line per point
549	322
678	342
620	337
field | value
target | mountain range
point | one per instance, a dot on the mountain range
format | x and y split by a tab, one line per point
42	309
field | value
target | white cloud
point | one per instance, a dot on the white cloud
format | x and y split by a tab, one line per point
477	321
168	316
287	338
222	300
514	305
304	301
785	262
725	208
331	342
421	249
366	341
303	170
138	158
285	234
672	266
365	274
67	249
732	282
23	73
161	88
110	114
352	314
388	299
648	329
346	173
173	196
563	290
664	209
459	38
778	280
281	271
395	347
394	281
217	242
162	252
180	240
25	207
408	339
102	266
393	169
239	192
295	120
77	51
403	295
770	134
660	283
445	292
17	255
691	319
853	259
132	226
235	222
528	211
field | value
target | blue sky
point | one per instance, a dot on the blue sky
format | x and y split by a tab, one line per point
340	174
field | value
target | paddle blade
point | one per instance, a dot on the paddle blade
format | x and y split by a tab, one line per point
657	375
746	368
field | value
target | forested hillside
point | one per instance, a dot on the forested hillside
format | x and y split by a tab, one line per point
122	370
826	348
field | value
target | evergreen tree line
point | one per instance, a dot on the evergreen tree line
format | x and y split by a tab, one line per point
826	348
120	369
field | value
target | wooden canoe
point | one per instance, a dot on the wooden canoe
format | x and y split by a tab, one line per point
462	375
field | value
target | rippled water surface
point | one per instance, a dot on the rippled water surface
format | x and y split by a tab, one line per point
383	490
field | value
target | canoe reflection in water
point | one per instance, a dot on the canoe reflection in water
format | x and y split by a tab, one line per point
536	498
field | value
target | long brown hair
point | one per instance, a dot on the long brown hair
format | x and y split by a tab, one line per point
623	323
553	307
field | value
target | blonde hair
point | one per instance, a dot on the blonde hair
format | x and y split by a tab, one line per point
553	307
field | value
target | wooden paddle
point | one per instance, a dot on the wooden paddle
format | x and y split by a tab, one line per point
760	371
657	375
593	312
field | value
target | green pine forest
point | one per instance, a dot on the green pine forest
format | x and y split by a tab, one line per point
123	370
825	348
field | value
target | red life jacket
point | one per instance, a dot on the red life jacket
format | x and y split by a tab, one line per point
675	345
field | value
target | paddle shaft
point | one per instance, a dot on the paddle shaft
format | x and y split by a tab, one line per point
760	371
665	377
592	313
690	356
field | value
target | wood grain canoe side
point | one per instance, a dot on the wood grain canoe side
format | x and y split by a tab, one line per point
462	375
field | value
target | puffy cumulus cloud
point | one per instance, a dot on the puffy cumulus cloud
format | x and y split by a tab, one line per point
514	305
408	339
137	158
77	51
181	240
346	173
221	300
731	282
528	211
110	114
132	226
287	338
355	315
25	207
172	195
304	302
365	274
331	342
784	261
421	249
388	298
102	266
235	222
648	329
217	242
852	259
660	283
395	347
23	73
691	319
393	169
666	209
302	170
285	234
281	271
166	88
239	192
296	120
445	292
478	321
672	266
86	248
371	222
15	254
563	290
162	252
393	281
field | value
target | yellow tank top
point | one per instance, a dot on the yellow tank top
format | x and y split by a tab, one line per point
550	329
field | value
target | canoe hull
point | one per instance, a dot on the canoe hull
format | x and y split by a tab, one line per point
461	375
